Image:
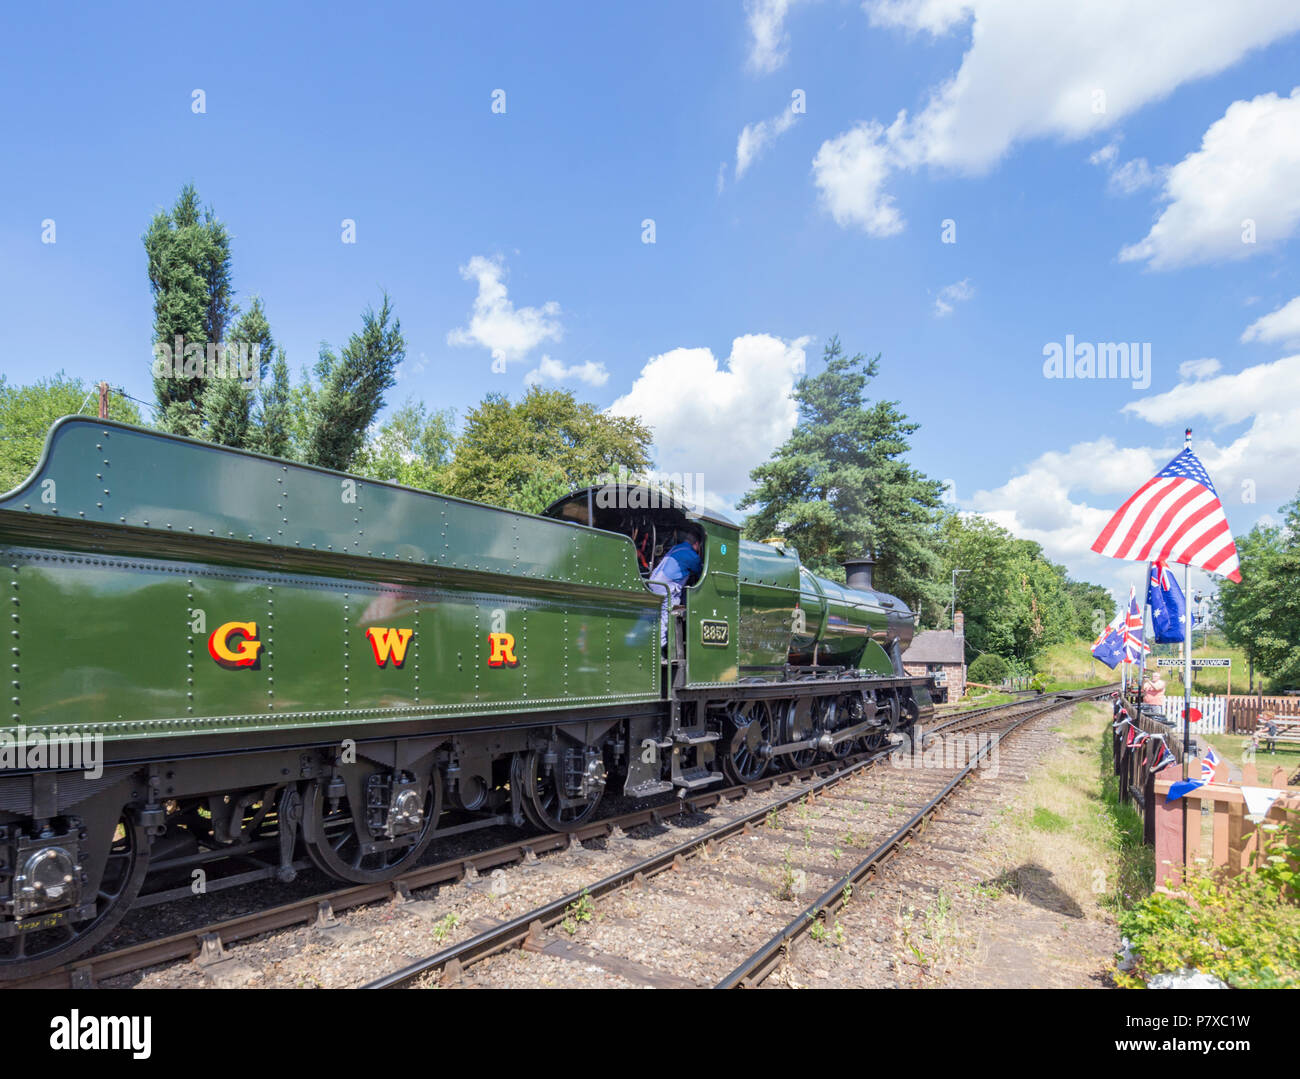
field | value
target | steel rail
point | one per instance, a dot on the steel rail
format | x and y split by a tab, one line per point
520	929
756	968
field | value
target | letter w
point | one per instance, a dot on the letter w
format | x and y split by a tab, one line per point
387	642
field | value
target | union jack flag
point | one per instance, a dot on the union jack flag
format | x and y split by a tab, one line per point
1209	764
1164	758
1134	630
1176	516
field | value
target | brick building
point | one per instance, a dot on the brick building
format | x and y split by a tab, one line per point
941	653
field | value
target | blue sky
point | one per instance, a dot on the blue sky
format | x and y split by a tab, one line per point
1111	218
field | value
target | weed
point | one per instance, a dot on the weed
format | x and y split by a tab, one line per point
580	910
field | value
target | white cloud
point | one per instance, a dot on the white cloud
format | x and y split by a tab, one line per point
950	295
1125	178
756	138
1036	70
1133	176
685	394
1199	368
1280	325
1265	387
933	16
850	171
1247	170
507	332
770	44
1106	156
592	373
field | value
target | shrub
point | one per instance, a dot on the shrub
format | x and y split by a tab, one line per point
988	669
1244	930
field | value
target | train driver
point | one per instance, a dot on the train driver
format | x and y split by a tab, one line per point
675	570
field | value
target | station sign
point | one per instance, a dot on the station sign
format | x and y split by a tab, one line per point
1198	662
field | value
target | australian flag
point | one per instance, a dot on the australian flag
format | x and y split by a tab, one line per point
1168	605
1109	647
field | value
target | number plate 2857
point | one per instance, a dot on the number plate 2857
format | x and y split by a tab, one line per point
715	633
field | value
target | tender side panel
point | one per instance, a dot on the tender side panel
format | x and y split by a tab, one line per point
127	647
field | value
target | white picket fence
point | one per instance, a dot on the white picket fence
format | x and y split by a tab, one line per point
1214	713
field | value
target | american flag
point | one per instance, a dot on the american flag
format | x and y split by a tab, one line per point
1176	516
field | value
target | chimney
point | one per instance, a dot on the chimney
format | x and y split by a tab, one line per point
959	625
857	573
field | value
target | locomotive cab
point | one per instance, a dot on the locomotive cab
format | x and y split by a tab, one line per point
654	519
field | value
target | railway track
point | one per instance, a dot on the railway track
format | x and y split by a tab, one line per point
207	943
529	930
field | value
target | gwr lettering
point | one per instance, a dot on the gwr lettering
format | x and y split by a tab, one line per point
502	652
389	642
243	656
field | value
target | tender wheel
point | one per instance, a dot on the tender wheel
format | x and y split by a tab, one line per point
562	795
39	950
747	730
338	848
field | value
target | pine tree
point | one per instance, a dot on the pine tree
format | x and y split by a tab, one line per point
272	435
227	401
839	486
352	389
188	253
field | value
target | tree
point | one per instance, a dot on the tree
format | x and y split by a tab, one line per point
1016	603
188	253
525	455
412	447
1093	607
1261	614
27	413
839	486
352	387
227	402
274	421
988	670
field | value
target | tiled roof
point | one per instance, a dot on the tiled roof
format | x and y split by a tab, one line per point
936	646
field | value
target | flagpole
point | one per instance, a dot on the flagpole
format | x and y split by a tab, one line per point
1142	652
1187	673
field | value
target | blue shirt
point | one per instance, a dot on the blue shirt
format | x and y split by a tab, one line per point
680	563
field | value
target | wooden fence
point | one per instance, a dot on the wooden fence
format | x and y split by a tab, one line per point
1219	831
1243	710
1237	714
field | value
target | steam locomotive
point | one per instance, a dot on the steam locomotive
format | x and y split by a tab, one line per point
218	658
